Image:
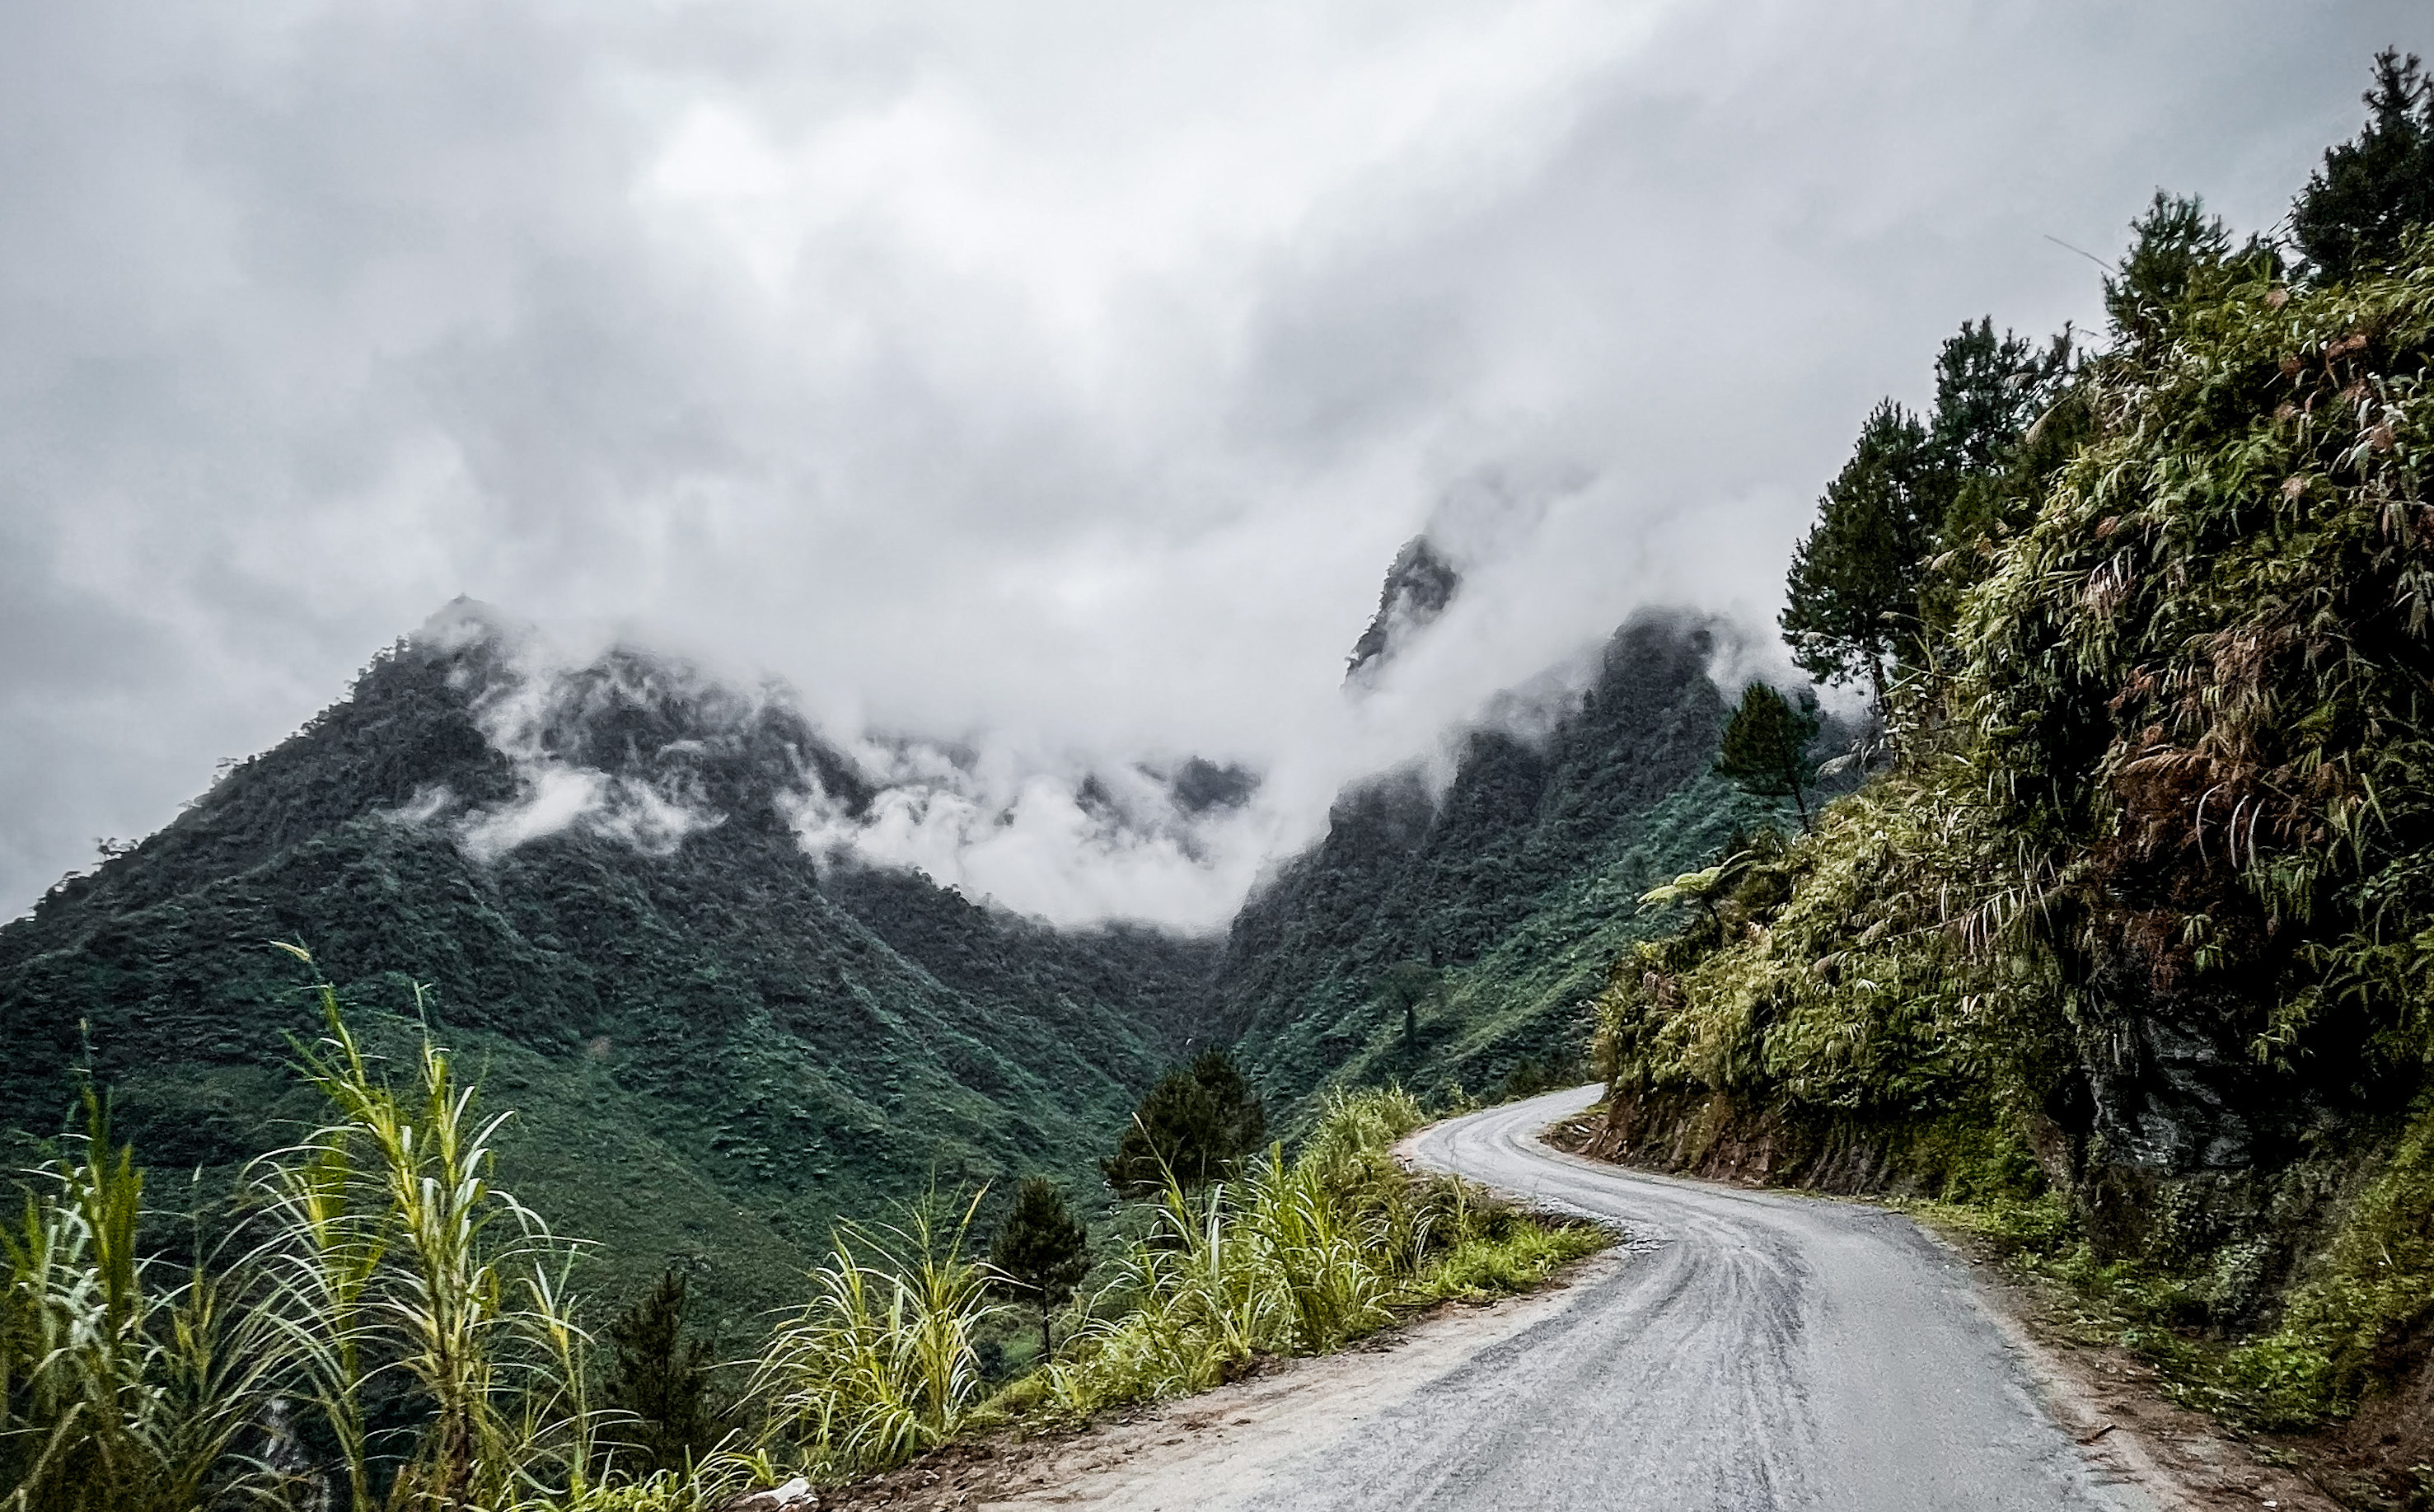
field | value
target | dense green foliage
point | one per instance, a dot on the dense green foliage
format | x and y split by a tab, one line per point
2129	952
2202	676
1042	1252
1195	1125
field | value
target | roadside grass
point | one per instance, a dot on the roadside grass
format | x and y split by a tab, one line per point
1299	1257
378	1324
373	1322
2343	1321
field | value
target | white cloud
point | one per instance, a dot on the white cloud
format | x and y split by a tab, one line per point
1058	378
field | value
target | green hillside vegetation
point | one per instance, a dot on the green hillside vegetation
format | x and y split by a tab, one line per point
1450	940
2128	952
381	1324
715	1051
719	1047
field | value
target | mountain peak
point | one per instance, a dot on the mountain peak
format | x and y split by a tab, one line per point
1420	585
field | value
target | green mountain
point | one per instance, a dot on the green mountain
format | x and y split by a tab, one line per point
1491	910
716	1044
712	1049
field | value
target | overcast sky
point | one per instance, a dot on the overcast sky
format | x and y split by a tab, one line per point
1064	376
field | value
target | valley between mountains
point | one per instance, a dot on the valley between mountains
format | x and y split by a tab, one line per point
720	1042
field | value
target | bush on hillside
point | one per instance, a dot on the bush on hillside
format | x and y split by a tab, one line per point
1194	1127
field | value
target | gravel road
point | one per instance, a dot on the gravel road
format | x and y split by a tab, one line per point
1769	1351
1750	1350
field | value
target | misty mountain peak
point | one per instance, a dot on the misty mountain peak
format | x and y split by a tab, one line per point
1420	585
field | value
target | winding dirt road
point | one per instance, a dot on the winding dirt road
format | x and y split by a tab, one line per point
1769	1351
1752	1351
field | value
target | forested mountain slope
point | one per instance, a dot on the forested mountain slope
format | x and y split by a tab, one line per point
714	1045
712	1051
1447	938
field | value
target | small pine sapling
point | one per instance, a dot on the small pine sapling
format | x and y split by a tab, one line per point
662	1380
1042	1253
1765	746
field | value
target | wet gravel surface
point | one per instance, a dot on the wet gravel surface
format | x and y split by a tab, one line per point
1765	1351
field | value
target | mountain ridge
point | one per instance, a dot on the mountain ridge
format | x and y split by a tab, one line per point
601	875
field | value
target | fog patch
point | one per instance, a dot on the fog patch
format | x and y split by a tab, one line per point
538	714
1495	507
429	802
1169	844
556	798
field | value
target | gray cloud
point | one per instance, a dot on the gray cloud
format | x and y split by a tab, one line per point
1055	379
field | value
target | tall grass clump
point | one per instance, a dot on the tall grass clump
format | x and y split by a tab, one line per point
379	1326
394	1263
121	1387
1297	1256
883	1363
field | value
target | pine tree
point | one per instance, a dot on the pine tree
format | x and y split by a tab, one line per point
1042	1253
1852	597
2350	217
1765	746
662	1380
1989	392
1988	388
1407	984
1194	1125
2176	241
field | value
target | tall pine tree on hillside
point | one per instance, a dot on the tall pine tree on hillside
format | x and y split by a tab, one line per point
1852	605
1989	390
2180	253
2350	217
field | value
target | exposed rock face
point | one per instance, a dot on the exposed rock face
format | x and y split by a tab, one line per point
1420	585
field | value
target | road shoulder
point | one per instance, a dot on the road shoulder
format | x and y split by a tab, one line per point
1171	1454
